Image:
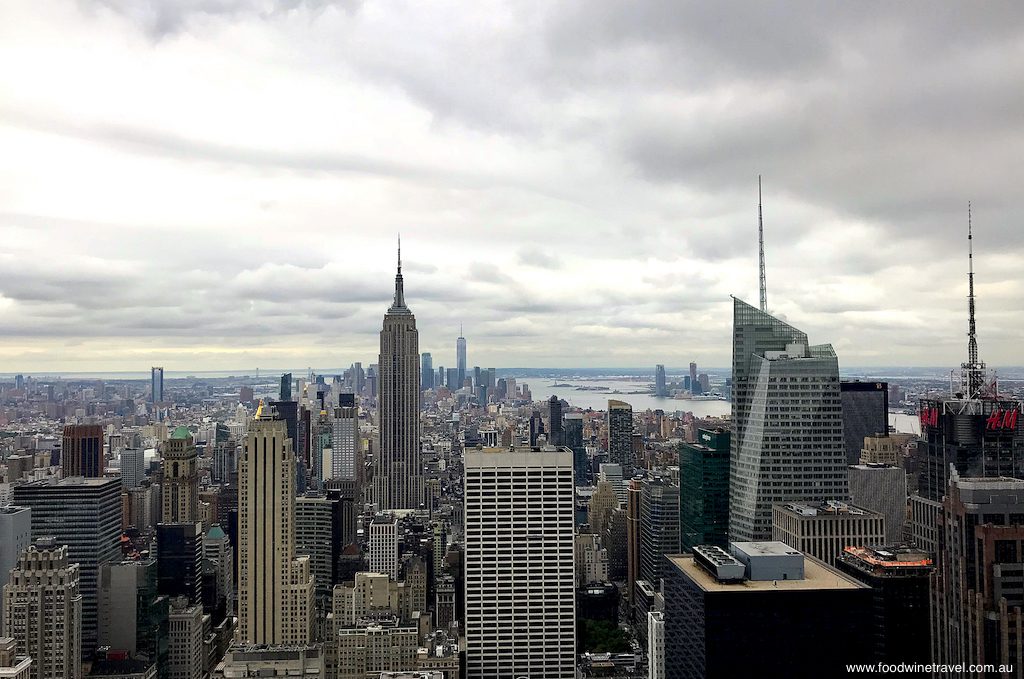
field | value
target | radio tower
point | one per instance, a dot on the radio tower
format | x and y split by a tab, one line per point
760	244
973	372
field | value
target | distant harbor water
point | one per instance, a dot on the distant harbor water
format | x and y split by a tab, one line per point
594	397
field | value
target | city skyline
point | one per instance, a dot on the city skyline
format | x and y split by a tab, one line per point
280	201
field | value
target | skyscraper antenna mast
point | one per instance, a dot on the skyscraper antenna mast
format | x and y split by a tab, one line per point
974	369
760	244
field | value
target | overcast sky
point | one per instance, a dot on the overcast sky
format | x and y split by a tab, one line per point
218	184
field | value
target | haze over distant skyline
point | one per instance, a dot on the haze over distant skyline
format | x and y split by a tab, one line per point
214	184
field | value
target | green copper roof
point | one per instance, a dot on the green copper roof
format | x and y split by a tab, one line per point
215	532
180	433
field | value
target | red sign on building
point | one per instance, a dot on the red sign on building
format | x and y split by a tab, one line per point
1000	420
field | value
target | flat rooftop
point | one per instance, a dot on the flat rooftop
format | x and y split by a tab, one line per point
817	576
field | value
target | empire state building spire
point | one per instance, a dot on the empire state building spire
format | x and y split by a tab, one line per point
399	304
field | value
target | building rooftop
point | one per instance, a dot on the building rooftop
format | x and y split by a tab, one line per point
826	508
890	556
817	576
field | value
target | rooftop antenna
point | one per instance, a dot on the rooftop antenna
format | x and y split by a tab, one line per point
973	370
760	244
399	253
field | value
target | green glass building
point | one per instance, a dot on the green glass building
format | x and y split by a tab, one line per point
704	490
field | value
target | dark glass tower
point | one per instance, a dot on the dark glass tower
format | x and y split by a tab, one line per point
704	490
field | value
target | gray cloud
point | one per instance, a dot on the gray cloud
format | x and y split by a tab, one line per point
228	176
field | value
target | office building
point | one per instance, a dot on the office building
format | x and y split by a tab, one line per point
180	488
519	594
572	425
656	645
85	515
12	664
345	442
613	474
620	433
225	460
384	545
315	538
426	371
179	560
43	610
865	413
81	452
823	530
285	391
133	468
632	538
276	590
978	588
218	557
763	610
591	559
704	490
556	432
659	526
185	658
460	359
660	382
398	481
888	449
132	613
156	385
377	645
15	537
883	489
787	438
898	576
272	661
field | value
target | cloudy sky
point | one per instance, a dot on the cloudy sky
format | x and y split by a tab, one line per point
218	184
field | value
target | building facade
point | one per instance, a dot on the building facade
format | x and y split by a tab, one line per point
81	452
276	590
398	480
620	433
704	490
787	439
823	530
85	515
43	610
519	594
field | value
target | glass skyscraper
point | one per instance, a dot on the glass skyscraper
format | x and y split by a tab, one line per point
787	438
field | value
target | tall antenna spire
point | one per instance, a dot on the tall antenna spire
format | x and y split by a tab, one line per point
399	303
760	244
974	369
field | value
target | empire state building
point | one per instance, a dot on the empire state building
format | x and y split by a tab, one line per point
398	483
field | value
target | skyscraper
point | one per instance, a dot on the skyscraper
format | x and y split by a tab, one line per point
156	386
85	515
15	536
285	392
659	526
693	378
426	371
620	434
704	490
460	357
398	483
519	556
865	413
787	439
344	439
660	383
43	610
81	452
179	491
133	467
976	590
556	433
275	589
